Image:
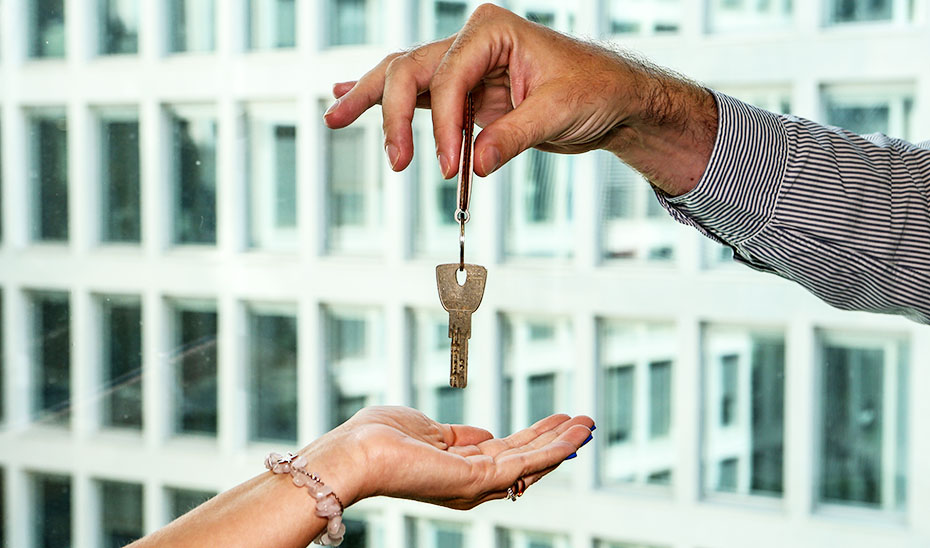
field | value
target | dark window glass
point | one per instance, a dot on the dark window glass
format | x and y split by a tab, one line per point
122	362
541	396
450	405
619	402
539	198
119	140
345	181
449	539
285	175
194	180
272	24
542	17
182	501
273	377
768	415
852	456
348	22
47	25
49	173
450	16
348	337
51	313
848	11
728	475
662	477
2	398
358	534
729	389
121	513
859	119
119	26
51	510
191	26
195	372
660	398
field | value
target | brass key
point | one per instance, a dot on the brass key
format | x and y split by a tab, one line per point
460	301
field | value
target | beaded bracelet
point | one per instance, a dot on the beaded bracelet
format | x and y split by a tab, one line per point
328	505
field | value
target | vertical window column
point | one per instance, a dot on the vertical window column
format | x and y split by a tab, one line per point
120	208
272	374
51	357
194	367
121	361
193	174
48	169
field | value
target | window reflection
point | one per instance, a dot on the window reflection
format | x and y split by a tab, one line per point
644	17
51	357
851	11
47	28
449	17
48	173
744	424
51	510
430	375
194	366
887	109
733	16
272	373
540	212
271	24
119	177
536	368
354	360
121	512
119	26
634	226
354	190
863	455
121	361
272	175
191	26
182	501
636	368
193	154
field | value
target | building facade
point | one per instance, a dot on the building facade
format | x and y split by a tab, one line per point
195	271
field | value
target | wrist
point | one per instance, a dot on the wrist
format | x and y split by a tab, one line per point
336	460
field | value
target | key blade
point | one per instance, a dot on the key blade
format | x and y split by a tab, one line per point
458	370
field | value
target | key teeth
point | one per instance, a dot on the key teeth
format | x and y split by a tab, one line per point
454	382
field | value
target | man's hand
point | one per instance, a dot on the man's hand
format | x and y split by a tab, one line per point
535	87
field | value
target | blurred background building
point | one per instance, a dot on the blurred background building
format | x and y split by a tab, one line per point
193	271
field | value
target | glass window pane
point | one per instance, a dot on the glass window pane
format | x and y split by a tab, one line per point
537	370
633	226
851	11
744	425
729	16
272	375
272	156
354	190
2	383
191	26
450	16
47	28
182	501
195	368
436	199
121	353
354	360
121	513
430	374
51	357
349	21
272	24
51	510
636	368
48	140
863	430
540	211
515	538
644	17
193	175
119	26
876	108
119	175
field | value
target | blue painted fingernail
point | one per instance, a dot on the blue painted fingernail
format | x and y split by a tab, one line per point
573	455
587	440
593	427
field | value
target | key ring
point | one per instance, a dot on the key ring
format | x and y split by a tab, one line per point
465	169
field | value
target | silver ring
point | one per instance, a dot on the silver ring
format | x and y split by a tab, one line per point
511	494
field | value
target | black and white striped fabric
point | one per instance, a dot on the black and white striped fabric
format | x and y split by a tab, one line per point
846	216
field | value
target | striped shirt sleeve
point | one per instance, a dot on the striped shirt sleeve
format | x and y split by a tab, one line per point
846	216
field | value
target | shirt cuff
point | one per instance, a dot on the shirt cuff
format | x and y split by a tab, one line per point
736	196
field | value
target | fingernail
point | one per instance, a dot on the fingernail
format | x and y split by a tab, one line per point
491	160
392	153
443	165
332	107
570	457
593	427
587	440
